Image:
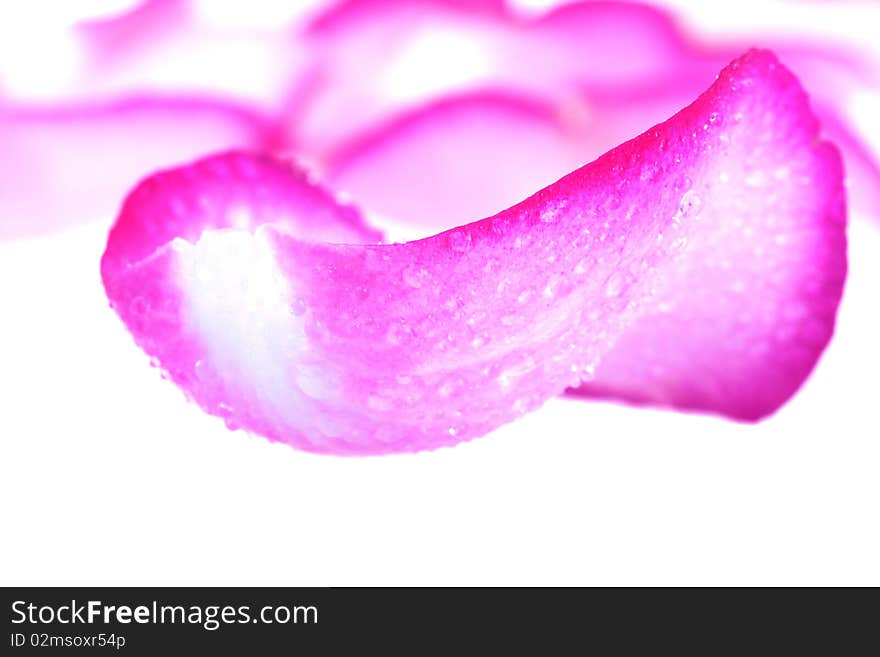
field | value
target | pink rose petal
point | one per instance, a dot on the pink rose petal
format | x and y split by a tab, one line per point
477	154
459	158
370	51
262	299
384	57
65	166
165	47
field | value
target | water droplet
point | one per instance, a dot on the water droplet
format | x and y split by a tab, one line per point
796	312
385	434
501	226
614	285
378	403
781	173
564	288
398	333
414	277
549	215
714	117
756	179
298	307
523	296
588	373
691	204
459	240
784	333
139	306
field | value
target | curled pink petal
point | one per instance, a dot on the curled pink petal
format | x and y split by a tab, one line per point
262	298
65	166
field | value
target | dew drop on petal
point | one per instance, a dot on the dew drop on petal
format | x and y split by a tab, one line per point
413	277
691	205
459	240
614	285
139	306
298	307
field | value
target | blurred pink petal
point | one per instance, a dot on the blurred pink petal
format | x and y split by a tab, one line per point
456	159
862	163
383	58
723	227
597	44
383	55
164	47
477	154
66	166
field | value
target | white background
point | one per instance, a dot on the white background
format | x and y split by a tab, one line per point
108	477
